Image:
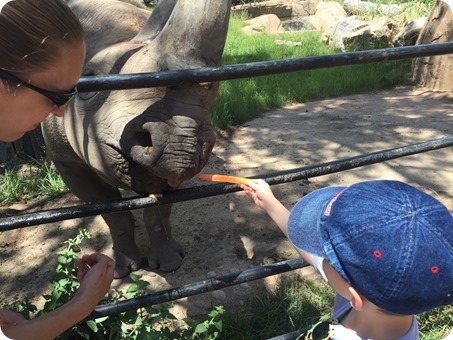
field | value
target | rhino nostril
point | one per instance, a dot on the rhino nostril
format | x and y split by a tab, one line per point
143	139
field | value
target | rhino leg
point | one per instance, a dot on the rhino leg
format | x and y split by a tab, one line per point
84	183
125	251
165	253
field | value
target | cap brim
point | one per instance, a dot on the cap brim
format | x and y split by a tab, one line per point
304	219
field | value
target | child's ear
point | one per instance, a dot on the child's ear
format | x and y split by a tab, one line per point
356	299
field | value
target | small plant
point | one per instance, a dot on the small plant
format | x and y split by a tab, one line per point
144	323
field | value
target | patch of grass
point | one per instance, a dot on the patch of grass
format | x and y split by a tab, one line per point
436	324
36	179
241	100
296	305
293	305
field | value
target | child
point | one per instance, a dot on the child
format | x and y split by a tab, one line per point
385	247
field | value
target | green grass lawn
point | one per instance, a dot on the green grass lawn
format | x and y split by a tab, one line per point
259	94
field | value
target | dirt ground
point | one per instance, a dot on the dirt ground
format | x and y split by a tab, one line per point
225	234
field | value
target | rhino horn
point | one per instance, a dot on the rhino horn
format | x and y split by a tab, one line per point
156	22
193	31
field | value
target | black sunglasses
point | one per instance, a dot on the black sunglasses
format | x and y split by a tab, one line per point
59	99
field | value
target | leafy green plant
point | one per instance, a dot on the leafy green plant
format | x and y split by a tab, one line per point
151	322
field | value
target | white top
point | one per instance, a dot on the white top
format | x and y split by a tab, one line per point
3	336
342	307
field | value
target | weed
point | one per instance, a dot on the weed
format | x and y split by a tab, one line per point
150	322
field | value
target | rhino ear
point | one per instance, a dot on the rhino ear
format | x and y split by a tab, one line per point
189	31
156	22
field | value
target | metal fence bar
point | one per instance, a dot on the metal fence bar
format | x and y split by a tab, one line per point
31	219
293	335
264	68
196	288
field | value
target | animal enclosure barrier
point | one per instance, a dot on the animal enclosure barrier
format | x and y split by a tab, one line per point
171	78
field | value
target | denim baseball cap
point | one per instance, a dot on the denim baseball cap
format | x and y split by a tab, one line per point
392	242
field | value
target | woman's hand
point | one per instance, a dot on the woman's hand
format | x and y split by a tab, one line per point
95	276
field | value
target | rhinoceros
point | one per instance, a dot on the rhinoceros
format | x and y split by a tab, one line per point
146	140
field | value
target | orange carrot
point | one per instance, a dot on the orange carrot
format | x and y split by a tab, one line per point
223	178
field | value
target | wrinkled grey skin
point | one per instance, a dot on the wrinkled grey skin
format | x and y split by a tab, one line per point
148	140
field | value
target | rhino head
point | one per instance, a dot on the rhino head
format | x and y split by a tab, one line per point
148	139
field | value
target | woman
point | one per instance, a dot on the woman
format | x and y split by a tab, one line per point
42	54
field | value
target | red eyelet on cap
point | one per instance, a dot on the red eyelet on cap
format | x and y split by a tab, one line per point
377	254
434	269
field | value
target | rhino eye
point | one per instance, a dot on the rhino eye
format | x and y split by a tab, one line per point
87	95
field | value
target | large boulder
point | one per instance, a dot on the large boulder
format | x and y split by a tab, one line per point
351	34
326	14
436	72
409	34
284	9
269	23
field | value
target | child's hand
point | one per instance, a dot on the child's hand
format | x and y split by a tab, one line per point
260	192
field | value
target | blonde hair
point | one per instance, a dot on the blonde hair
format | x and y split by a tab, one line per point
32	32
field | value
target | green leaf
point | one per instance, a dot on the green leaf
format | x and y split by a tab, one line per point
218	325
189	322
201	328
132	288
134	277
62	259
101	320
93	326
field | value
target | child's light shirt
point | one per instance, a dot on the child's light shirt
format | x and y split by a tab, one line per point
342	307
3	336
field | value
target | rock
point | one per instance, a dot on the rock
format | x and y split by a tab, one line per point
436	72
284	9
335	33
218	295
211	275
409	34
326	14
351	34
294	25
269	23
199	303
363	7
